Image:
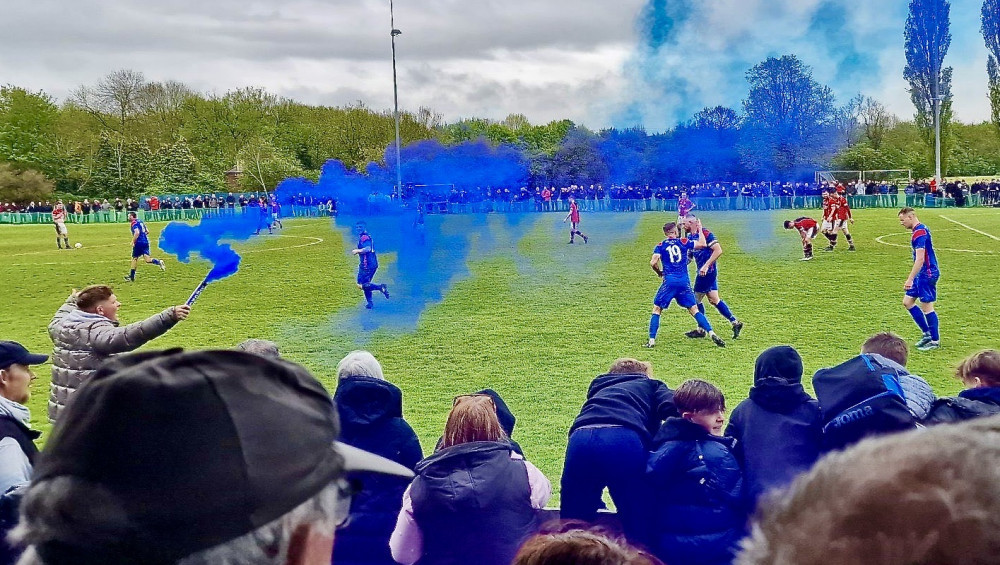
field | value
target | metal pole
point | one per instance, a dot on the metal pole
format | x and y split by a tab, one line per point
937	102
395	97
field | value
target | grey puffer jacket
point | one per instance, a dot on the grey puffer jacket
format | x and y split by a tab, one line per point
83	341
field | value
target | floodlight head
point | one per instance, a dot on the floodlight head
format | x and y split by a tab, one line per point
396	32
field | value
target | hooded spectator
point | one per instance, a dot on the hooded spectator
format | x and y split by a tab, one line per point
475	500
779	429
980	373
609	445
85	331
891	350
371	416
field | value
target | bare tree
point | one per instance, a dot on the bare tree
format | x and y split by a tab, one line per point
115	100
876	120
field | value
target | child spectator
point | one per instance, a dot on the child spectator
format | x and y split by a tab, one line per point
696	482
891	350
778	430
980	373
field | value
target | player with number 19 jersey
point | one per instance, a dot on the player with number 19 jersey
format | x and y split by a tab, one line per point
676	285
669	260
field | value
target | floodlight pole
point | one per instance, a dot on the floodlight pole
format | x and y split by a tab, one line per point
937	103
395	97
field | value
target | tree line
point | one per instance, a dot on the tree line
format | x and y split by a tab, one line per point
126	136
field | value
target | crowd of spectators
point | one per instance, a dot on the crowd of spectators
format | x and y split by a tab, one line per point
593	198
240	456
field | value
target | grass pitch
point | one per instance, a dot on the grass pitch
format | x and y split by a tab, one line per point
539	322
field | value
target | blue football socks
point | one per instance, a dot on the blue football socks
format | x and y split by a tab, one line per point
725	311
703	322
919	318
654	325
932	324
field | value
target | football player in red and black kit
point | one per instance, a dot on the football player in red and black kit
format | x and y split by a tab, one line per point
841	216
807	229
829	216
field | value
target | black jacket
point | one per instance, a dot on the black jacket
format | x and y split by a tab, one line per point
371	417
969	404
25	436
472	503
636	402
697	494
779	428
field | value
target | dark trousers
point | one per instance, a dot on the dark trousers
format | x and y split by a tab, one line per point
612	457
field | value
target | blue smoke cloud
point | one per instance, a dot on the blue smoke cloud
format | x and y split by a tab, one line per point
691	55
421	263
204	239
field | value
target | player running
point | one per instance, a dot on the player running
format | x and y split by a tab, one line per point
921	284
59	219
367	265
807	229
706	283
841	215
140	246
574	221
669	262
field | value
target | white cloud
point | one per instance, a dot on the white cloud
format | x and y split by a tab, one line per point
549	60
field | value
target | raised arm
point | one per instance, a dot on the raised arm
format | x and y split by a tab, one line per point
63	311
109	340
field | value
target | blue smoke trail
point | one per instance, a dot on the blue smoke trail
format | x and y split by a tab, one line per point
421	262
184	240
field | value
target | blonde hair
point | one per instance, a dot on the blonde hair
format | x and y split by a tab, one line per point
472	418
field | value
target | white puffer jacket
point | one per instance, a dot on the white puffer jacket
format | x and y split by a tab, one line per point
83	341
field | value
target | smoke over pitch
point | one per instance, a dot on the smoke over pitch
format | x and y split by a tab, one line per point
421	263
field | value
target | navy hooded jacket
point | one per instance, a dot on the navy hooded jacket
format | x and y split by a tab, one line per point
371	418
969	404
697	488
779	428
633	401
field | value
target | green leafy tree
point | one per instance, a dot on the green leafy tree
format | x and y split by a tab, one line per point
927	37
23	185
27	128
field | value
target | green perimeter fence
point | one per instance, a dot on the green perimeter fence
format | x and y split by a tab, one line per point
591	205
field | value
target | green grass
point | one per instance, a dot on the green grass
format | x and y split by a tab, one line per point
536	325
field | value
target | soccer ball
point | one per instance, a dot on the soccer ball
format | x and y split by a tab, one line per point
78	245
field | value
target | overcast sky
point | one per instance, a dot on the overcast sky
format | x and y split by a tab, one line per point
548	59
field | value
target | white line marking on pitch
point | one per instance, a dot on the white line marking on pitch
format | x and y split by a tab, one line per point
993	237
883	242
315	241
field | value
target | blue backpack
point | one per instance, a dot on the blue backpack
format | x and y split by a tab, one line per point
859	398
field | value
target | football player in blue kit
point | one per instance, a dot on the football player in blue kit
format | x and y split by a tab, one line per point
706	283
669	262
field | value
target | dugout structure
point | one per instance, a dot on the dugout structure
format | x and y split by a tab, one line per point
893	176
